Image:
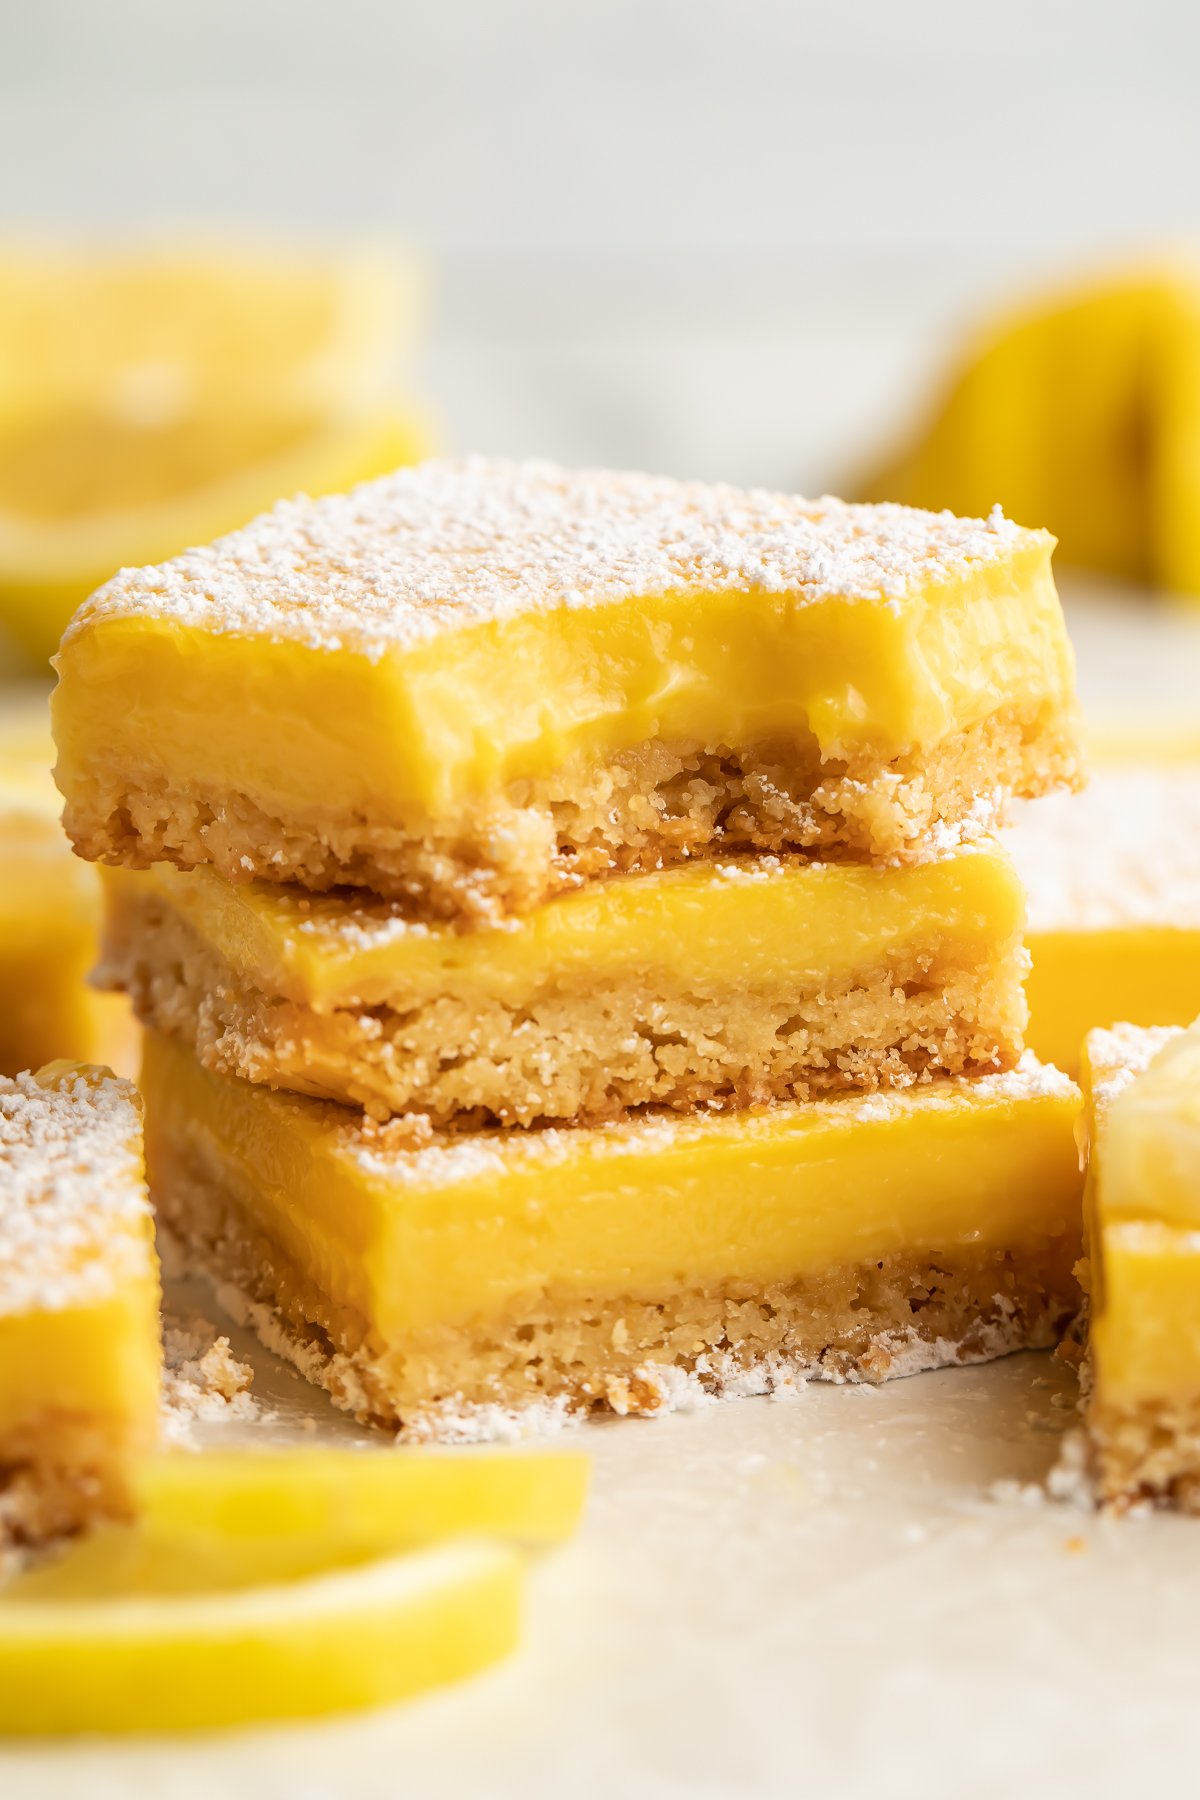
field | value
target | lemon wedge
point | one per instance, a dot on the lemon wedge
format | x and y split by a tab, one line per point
84	495
360	1635
383	1500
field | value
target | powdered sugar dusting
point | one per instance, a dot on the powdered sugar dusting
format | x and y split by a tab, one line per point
1118	1054
449	545
1125	851
72	1194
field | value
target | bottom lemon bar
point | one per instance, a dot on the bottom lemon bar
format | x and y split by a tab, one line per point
709	984
448	1285
49	912
79	1295
1143	1244
1113	883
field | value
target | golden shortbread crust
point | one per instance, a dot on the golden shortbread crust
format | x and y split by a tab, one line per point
1146	1450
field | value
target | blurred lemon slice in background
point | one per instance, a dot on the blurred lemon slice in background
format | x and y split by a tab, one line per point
165	333
154	402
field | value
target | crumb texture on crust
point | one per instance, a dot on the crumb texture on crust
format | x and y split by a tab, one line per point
649	808
62	1470
1145	1451
569	1355
581	1053
447	545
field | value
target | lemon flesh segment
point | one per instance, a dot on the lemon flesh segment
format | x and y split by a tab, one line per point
82	497
349	1499
203	322
363	1636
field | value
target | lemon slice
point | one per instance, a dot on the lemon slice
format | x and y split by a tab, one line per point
382	1499
145	336
83	494
149	402
365	1635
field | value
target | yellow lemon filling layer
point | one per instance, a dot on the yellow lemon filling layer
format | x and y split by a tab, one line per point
765	923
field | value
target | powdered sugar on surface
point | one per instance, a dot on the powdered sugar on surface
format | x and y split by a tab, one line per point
72	1195
1125	851
449	545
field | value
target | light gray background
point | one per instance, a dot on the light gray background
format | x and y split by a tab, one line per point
720	237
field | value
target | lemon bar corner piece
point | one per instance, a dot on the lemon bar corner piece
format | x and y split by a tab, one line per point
1142	1211
79	1299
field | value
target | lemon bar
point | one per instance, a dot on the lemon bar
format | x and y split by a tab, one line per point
473	684
454	1287
1143	1243
49	913
709	984
79	1334
1113	883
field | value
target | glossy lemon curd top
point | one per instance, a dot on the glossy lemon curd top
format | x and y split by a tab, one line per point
420	730
475	1227
1143	1214
701	927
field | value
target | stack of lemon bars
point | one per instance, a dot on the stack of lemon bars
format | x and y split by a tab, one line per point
577	968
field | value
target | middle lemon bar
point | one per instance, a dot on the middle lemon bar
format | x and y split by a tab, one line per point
448	1285
710	984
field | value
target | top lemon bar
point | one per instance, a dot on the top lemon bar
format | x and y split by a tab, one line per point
473	684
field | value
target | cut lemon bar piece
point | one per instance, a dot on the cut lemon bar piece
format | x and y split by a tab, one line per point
1143	1243
714	983
49	911
471	684
452	1286
355	1500
366	1635
79	1334
1113	883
